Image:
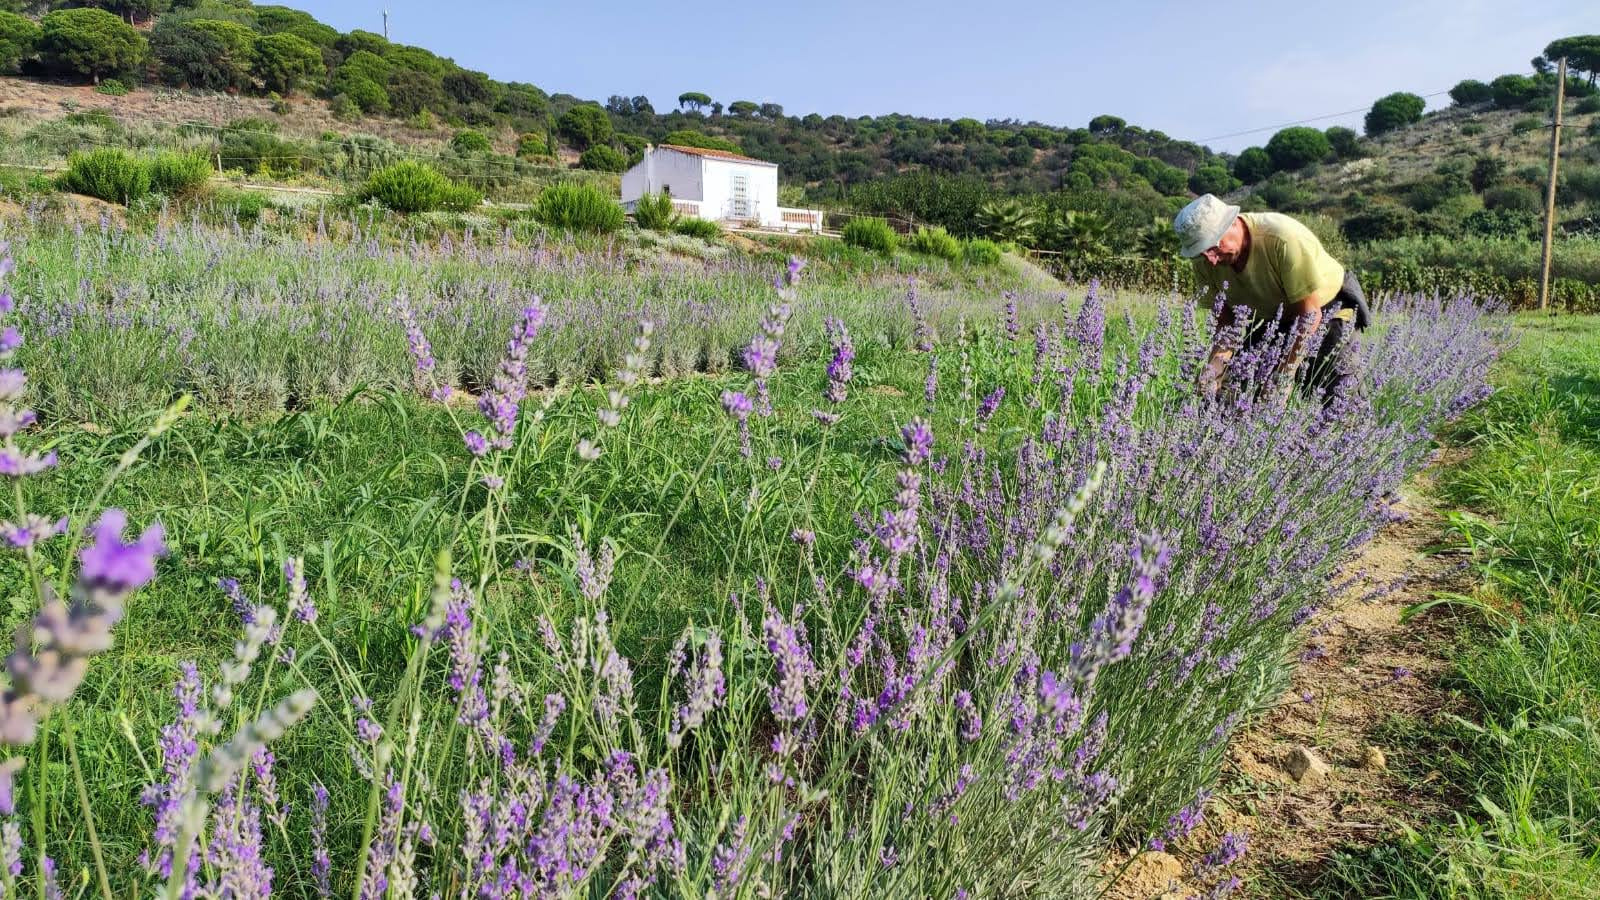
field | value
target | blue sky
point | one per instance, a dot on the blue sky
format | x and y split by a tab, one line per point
1197	70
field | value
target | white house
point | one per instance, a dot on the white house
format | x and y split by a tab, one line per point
715	185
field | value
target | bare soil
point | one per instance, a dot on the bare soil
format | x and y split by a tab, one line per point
1365	674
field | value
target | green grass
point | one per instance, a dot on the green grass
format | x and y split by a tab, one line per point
1529	509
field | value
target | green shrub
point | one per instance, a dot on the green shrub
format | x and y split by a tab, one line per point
705	229
1252	165
112	175
179	174
111	87
469	141
1394	111
89	42
1579	184
578	207
531	146
1526	124
983	252
654	212
411	187
870	234
935	242
1588	105
1501	223
603	158
344	108
688	138
1512	197
1297	147
1472	129
18	35
1379	221
1470	91
245	206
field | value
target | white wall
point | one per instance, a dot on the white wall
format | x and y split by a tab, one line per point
678	173
762	191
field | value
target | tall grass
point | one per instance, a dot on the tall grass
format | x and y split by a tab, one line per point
1530	662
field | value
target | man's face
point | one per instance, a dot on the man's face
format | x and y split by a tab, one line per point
1227	250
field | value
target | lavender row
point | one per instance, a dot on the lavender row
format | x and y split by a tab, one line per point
1034	650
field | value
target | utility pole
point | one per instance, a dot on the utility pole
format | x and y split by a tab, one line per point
1550	192
386	24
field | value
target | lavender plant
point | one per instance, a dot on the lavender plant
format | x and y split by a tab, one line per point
1024	643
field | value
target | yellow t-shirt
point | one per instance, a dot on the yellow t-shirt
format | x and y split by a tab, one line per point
1286	263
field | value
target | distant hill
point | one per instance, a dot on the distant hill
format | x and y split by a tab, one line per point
315	100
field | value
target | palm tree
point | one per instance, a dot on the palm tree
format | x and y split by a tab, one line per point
1080	235
1158	241
1008	219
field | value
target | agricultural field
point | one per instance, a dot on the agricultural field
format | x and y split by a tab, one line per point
495	564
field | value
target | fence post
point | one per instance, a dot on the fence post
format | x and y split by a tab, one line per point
1550	192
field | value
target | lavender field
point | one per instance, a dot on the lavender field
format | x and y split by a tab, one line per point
493	569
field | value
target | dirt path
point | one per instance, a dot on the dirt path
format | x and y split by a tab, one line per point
1364	677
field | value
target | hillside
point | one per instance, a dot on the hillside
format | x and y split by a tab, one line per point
271	94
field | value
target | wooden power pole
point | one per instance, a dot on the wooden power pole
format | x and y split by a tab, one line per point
1550	192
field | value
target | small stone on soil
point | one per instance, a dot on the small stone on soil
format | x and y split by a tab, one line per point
1306	767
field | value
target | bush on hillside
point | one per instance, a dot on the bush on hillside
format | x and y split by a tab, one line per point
1430	191
18	37
109	174
870	234
111	87
284	60
1252	165
578	207
1578	185
1396	110
585	126
1526	124
1513	197
1297	147
532	146
1212	179
603	158
1379	221
1345	142
1470	92
1514	91
654	212
469	141
687	138
413	187
179	174
1511	224
1588	105
935	242
1486	172
705	229
89	42
982	252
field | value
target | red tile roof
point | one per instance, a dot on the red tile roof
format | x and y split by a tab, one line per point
715	154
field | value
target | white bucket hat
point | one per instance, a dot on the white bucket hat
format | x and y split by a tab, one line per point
1202	224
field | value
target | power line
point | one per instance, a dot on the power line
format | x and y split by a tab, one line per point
1322	118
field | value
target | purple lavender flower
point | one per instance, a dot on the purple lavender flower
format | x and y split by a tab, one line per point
787	644
301	608
321	862
918	440
502	402
111	564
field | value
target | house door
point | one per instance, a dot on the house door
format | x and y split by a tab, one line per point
739	197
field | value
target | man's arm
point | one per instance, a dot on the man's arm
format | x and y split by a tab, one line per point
1217	361
1308	316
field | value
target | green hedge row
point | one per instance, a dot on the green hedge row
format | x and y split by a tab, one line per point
1161	276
